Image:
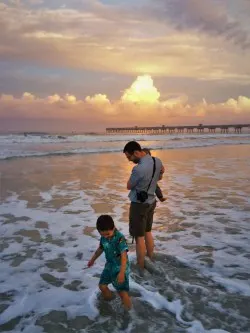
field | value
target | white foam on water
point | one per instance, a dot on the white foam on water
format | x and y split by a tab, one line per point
46	196
158	301
53	299
14	146
26	279
198	328
110	138
32	293
215	235
233	286
28	329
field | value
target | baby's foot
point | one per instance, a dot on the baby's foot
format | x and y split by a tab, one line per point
162	199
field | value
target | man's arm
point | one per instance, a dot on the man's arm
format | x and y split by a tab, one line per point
129	187
134	179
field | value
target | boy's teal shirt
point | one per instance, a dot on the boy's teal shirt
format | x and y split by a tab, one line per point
114	247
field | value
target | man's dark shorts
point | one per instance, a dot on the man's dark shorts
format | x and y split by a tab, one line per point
141	218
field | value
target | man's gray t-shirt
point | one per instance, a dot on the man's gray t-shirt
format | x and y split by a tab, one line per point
141	176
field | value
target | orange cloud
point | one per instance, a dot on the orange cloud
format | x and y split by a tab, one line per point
142	91
70	98
140	104
54	98
28	96
97	99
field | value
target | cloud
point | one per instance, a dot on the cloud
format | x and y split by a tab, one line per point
70	98
240	105
141	91
53	98
5	98
115	39
176	102
140	104
206	16
98	99
28	96
101	103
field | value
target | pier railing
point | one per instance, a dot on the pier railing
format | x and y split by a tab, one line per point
236	128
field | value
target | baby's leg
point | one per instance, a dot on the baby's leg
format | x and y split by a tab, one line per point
126	301
106	292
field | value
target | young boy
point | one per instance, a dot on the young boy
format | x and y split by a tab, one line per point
158	191
116	270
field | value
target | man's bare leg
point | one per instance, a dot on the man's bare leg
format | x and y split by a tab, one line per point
140	251
149	244
126	301
106	292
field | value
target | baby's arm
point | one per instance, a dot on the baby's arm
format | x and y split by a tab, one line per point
159	193
161	172
96	255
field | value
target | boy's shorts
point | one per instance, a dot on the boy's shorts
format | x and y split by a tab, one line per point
109	275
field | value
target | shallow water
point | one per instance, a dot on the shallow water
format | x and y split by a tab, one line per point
200	281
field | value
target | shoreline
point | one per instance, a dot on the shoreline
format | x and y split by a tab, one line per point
115	151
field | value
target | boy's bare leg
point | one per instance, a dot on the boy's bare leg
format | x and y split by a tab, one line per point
106	292
126	301
140	251
149	244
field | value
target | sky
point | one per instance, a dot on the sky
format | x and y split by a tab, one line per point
84	65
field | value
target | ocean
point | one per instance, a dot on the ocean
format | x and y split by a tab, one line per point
53	188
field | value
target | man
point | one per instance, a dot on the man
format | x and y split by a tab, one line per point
144	178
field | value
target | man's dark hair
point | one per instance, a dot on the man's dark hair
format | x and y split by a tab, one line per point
131	147
105	223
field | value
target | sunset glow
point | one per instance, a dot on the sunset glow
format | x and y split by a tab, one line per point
92	64
142	90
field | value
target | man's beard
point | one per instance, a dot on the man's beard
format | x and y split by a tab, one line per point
136	160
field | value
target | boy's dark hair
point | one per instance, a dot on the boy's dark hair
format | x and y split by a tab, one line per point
105	223
131	147
147	151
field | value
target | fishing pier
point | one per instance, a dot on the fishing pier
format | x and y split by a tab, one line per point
224	129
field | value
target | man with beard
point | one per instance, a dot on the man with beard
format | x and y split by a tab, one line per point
142	185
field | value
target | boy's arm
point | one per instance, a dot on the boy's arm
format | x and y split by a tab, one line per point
121	275
96	255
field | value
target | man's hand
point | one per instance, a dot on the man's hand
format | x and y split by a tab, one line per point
91	262
121	277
